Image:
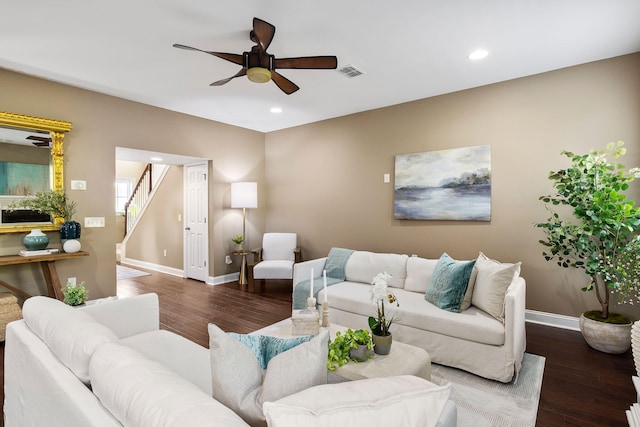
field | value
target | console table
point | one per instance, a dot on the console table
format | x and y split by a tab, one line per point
48	265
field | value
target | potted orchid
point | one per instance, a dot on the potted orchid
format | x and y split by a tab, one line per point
380	324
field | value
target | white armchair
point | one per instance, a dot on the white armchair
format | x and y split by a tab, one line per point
275	258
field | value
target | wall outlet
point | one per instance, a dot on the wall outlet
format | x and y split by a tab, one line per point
227	260
71	280
94	221
165	252
386	178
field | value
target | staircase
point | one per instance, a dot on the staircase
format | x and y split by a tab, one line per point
141	194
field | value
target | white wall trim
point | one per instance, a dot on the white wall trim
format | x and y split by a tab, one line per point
551	319
155	267
219	280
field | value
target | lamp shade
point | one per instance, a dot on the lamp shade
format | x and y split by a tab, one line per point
244	194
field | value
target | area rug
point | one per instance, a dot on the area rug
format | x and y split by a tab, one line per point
123	272
483	402
480	402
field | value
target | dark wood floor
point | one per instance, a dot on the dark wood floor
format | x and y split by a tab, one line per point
581	386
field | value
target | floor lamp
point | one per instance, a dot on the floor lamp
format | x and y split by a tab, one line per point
244	195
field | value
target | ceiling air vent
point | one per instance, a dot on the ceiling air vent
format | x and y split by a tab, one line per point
350	71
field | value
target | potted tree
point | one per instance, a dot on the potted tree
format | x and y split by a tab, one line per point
601	238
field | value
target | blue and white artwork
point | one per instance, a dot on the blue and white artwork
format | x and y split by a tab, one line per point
444	185
21	179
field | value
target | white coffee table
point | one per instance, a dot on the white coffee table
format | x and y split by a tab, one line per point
404	359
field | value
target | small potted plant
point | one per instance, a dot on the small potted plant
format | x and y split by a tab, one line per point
352	346
380	325
238	240
601	239
74	294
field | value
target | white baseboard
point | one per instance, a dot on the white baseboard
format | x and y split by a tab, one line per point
155	267
551	319
217	280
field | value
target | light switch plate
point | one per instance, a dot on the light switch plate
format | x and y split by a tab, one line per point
94	221
386	178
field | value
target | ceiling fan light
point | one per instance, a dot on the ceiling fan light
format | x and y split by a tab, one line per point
258	75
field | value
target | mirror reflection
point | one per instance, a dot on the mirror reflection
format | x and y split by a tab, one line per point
31	160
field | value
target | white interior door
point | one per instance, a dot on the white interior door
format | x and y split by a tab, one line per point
196	222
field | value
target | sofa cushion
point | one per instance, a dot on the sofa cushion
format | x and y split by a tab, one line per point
449	283
188	359
492	282
239	382
364	266
71	334
419	271
266	348
414	311
389	401
142	392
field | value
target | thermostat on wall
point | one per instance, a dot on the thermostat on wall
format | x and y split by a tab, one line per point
78	185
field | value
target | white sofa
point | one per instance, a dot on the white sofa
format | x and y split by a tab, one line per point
109	364
472	340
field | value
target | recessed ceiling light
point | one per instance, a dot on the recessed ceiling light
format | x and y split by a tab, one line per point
276	110
478	54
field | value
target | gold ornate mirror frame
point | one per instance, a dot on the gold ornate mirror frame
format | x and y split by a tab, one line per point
56	129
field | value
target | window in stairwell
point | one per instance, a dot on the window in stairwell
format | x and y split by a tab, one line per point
124	187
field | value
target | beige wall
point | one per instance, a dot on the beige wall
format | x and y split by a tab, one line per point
159	229
325	180
101	123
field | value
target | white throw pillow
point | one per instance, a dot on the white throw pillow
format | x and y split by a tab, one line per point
239	383
389	401
419	271
491	285
363	266
71	334
141	392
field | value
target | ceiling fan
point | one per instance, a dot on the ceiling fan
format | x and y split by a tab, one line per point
260	66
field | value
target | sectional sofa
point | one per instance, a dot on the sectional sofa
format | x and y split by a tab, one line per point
486	337
109	364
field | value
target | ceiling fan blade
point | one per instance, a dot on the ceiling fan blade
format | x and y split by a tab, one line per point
231	57
286	85
263	32
308	62
242	72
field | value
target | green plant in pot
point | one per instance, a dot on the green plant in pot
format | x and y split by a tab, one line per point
352	346
601	238
55	203
238	240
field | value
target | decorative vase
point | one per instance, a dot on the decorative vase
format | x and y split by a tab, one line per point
360	353
606	337
70	230
71	246
36	240
382	343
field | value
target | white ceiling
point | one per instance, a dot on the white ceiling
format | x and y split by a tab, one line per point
409	49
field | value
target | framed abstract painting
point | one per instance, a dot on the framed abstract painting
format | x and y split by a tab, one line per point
450	184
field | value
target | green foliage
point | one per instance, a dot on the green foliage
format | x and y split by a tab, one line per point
238	239
48	202
74	294
602	238
340	346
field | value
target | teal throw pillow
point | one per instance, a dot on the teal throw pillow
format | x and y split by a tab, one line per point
449	283
266	348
